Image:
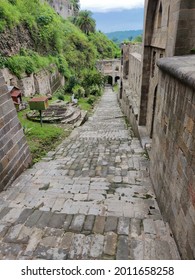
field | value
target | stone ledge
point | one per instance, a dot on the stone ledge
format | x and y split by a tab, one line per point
137	56
180	67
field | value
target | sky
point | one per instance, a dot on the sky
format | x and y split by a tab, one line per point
116	15
110	5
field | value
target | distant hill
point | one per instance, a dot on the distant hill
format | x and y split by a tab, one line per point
120	36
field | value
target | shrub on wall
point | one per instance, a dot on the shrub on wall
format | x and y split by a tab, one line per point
78	91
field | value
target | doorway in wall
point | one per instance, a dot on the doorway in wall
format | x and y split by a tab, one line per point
121	90
153	112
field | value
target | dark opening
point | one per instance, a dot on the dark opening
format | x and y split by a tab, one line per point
121	90
110	81
153	63
160	16
153	111
116	79
126	69
122	57
168	17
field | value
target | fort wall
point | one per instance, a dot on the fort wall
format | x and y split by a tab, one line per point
43	82
172	155
14	153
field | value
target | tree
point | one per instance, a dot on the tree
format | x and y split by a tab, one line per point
138	39
130	38
115	40
85	22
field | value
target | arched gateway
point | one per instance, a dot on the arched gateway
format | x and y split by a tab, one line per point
110	68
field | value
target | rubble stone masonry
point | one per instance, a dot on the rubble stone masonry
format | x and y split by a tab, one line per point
173	149
14	152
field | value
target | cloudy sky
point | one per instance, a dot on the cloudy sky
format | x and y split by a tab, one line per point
110	5
116	15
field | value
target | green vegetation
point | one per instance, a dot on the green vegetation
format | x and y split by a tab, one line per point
136	40
104	48
73	45
85	103
116	88
44	139
28	62
41	140
85	22
56	40
192	51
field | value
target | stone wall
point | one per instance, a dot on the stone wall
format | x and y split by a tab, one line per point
43	82
131	84
110	68
173	149
185	39
14	151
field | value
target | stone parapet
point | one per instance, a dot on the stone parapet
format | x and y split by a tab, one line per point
180	67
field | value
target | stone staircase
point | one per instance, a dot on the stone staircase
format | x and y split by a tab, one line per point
63	113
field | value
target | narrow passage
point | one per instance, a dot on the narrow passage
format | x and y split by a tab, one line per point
90	199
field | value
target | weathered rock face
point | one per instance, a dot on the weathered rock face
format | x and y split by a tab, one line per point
12	40
43	82
14	153
63	7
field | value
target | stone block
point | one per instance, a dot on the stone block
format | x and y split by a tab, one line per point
24	216
3	89
4	212
149	226
33	219
89	222
137	249
57	221
49	241
110	244
123	226
122	248
44	220
76	248
111	224
66	241
77	223
97	246
99	224
35	238
67	222
86	247
11	251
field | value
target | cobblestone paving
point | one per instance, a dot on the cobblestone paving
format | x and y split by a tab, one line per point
90	199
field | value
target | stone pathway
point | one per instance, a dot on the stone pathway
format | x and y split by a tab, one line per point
90	199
